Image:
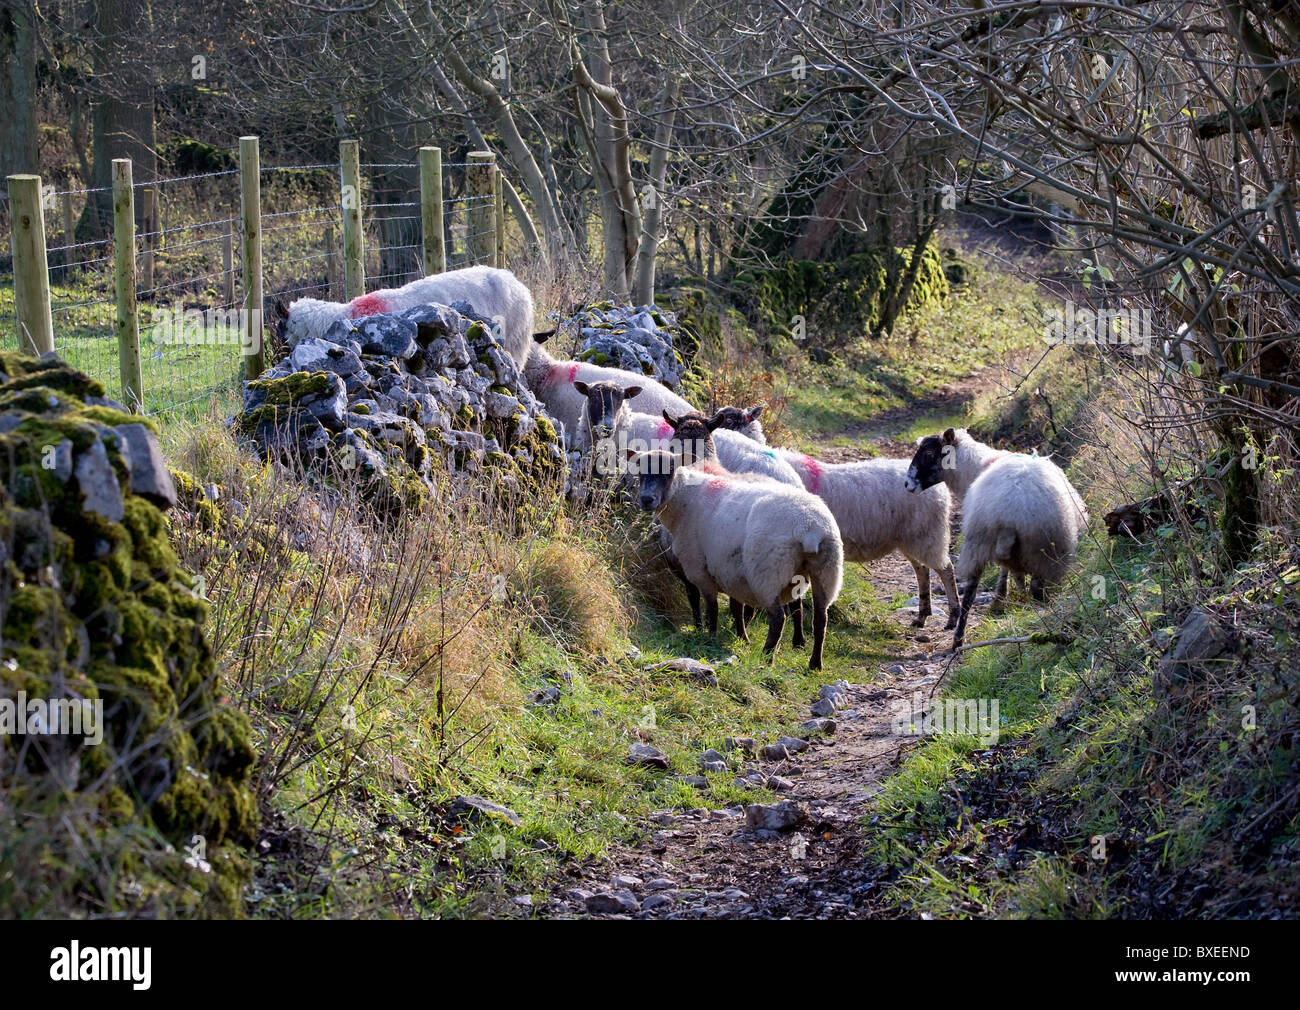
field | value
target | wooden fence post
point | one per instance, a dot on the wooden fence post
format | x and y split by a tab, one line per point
481	215
128	319
69	233
31	274
250	191
499	218
435	247
148	215
354	240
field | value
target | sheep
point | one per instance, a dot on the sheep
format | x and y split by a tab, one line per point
744	421
612	422
876	516
551	381
1018	511
609	425
493	294
762	543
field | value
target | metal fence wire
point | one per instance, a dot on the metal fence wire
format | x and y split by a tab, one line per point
190	271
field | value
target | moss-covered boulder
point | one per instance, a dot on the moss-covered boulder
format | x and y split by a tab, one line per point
840	300
96	615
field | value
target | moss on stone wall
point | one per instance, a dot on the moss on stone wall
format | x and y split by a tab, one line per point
95	606
839	300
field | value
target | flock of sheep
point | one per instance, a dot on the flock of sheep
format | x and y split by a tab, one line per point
767	526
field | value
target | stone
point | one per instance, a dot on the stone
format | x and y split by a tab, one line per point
784	816
654	901
150	478
775	752
826	726
100	491
476	808
779	784
742	743
612	903
1204	643
693	667
646	756
626	883
793	744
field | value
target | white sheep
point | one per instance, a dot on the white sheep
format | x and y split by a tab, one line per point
762	543
877	516
609	423
1018	511
494	294
551	381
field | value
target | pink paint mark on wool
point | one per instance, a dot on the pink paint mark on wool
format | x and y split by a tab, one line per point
367	305
665	430
573	371
811	472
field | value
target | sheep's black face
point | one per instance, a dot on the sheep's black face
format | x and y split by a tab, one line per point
654	477
736	418
928	464
691	437
604	404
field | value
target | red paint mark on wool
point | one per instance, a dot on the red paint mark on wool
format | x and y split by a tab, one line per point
367	305
573	371
811	474
665	430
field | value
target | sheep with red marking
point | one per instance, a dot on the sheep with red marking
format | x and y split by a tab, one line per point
762	543
1018	511
877	516
609	424
496	295
552	381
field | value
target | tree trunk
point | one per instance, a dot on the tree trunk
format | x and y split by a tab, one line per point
18	151
644	294
122	123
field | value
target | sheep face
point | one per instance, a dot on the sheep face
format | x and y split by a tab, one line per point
605	405
692	438
654	472
736	418
934	455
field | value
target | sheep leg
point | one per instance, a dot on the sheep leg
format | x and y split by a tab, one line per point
1020	583
923	590
711	604
820	608
693	594
1038	590
775	625
967	601
1000	593
795	610
949	578
749	613
738	620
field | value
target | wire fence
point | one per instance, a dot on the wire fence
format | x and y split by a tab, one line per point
190	270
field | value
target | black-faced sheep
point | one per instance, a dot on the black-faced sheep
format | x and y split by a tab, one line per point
877	516
1018	511
551	381
762	543
494	294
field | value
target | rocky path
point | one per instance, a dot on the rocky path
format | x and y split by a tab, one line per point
801	857
804	856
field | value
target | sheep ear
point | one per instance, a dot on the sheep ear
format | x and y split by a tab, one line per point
541	338
713	422
581	387
950	437
631	391
669	418
630	453
753	412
